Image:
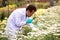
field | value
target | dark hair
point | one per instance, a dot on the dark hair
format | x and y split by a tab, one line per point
30	8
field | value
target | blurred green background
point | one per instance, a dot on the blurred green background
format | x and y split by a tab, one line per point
7	6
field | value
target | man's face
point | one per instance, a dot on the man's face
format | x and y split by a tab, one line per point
29	14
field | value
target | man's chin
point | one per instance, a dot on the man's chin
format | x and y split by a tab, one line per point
28	16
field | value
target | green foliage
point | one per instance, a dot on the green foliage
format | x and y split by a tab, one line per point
3	38
26	30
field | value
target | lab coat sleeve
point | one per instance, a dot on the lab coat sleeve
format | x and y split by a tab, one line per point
18	20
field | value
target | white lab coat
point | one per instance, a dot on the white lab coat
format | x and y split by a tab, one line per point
15	21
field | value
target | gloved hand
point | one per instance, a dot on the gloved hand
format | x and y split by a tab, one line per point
29	21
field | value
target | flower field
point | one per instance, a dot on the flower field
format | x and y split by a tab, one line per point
45	26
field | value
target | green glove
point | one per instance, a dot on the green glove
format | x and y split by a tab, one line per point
29	21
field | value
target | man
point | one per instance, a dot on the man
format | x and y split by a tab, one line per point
3	3
51	2
18	18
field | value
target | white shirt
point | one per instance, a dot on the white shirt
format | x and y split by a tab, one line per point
16	19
